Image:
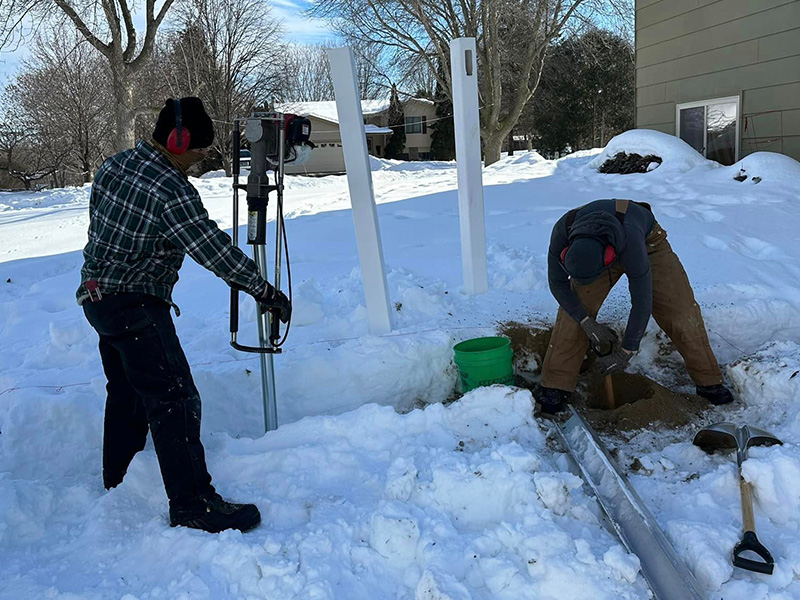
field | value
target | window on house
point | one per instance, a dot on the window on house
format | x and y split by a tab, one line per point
413	124
711	127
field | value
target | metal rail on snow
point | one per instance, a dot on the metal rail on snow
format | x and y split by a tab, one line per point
666	573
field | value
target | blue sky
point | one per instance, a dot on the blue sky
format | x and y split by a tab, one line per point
297	27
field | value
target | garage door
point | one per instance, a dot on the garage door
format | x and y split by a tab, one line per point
327	157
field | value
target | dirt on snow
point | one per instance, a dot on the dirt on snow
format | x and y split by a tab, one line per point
641	403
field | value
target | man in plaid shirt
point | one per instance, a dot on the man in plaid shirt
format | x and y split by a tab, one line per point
145	217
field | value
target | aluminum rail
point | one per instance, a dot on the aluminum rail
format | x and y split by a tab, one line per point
666	573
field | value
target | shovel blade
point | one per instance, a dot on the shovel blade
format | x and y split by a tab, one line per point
759	437
720	436
728	436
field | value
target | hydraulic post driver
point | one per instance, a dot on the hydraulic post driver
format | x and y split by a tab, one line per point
275	139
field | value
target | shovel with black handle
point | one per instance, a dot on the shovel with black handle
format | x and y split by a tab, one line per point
727	436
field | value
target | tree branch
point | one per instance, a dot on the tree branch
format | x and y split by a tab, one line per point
104	49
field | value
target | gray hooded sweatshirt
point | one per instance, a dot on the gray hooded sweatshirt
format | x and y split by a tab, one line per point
598	220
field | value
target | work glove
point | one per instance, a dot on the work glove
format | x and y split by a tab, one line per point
614	362
601	337
276	302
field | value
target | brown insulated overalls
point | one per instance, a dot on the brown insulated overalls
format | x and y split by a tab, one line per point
674	309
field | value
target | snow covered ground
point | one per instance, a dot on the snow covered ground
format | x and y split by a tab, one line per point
372	488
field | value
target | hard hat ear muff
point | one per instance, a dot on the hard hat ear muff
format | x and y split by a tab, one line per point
609	256
179	138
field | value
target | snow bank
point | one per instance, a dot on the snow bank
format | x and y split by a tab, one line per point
464	502
769	380
59	198
520	158
765	166
386	164
676	154
706	524
213	174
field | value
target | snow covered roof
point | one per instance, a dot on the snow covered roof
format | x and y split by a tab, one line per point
327	109
370	128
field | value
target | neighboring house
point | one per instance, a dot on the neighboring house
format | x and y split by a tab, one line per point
723	75
328	157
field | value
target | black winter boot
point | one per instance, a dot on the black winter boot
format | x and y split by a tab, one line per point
716	394
213	514
553	401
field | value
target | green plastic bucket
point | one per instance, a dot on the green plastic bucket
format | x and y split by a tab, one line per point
484	361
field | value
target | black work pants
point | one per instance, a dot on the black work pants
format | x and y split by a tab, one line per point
149	386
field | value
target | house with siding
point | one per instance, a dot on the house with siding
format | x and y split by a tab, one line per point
723	75
328	157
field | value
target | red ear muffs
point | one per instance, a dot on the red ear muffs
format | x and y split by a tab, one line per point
609	256
179	138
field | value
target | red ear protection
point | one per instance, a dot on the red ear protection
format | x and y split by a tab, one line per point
179	138
609	256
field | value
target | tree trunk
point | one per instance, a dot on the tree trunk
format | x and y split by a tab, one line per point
492	146
124	114
511	143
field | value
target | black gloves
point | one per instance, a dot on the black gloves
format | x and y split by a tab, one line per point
276	302
601	337
603	341
614	362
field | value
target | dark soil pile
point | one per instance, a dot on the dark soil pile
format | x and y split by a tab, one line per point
641	403
623	164
528	342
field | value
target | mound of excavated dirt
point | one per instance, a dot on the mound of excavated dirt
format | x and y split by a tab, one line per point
640	402
528	343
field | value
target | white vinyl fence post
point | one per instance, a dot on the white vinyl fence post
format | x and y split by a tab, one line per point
362	196
464	71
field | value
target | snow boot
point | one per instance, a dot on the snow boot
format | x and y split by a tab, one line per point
213	514
716	394
553	401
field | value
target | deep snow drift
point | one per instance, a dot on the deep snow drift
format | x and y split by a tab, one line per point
411	499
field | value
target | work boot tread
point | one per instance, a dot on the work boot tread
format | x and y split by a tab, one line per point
214	514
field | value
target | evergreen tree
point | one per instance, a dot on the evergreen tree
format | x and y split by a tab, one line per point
397	141
586	93
443	137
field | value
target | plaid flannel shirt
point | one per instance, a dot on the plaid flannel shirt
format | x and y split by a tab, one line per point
144	217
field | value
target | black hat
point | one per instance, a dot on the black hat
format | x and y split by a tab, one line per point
584	259
194	118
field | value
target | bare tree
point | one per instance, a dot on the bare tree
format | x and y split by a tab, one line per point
230	52
305	74
19	156
108	25
61	95
512	38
